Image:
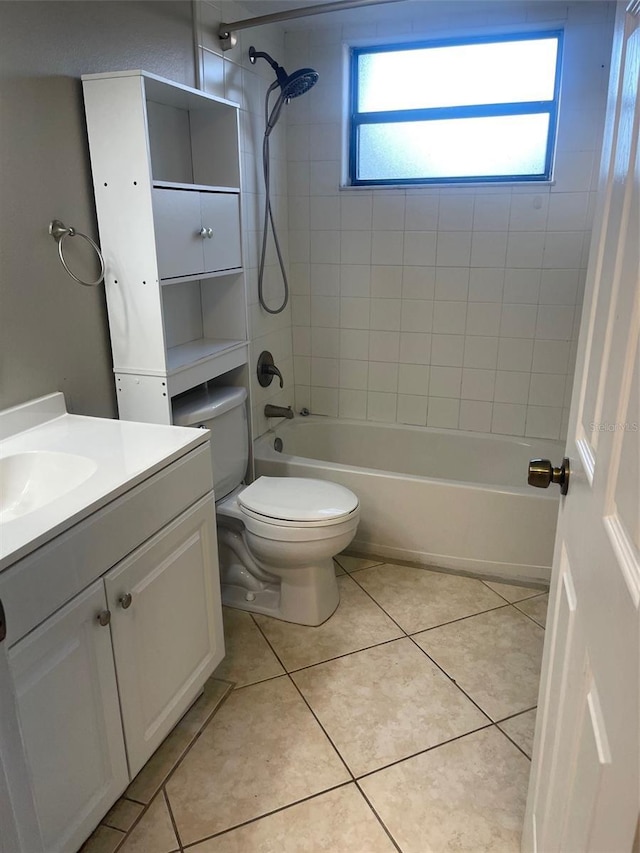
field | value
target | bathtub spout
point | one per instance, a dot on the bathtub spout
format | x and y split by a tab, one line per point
277	411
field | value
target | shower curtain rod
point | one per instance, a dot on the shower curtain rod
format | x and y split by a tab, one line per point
226	31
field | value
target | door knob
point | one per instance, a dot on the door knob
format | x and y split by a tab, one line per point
125	600
104	617
542	474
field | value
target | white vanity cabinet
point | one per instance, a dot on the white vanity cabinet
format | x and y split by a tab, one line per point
69	715
113	626
165	160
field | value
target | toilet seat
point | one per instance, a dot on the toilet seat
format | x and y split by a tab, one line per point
297	501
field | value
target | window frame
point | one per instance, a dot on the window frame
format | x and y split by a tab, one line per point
357	118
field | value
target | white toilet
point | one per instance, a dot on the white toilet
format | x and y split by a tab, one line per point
276	537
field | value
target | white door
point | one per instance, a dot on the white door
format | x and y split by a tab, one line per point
178	223
67	702
167	627
221	219
584	793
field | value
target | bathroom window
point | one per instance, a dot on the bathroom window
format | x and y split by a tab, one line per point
455	111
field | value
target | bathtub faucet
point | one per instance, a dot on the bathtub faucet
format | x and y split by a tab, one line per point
277	411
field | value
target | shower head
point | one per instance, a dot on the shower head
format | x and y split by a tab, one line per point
291	85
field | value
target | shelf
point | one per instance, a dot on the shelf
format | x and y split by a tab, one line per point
195	362
174	185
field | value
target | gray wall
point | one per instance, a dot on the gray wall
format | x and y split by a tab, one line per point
53	332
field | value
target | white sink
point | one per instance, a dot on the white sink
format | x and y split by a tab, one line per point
32	479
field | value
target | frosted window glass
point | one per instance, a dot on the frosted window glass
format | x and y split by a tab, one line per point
454	148
457	75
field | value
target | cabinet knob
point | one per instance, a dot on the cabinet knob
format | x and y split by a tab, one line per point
125	600
203	233
209	233
104	617
206	232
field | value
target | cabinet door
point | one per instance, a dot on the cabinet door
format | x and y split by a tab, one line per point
178	222
167	627
68	709
221	214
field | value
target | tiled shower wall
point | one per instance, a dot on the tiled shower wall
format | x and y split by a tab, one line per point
448	307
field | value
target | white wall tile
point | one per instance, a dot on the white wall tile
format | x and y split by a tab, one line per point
355	247
529	212
491	212
324	372
445	381
525	249
452	283
447	350
324	213
522	286
449	318
515	354
555	322
478	384
385	314
418	282
388	213
488	248
559	287
483	318
512	386
456	213
543	421
481	352
419	248
412	409
413	379
415	347
325	247
453	248
352	404
416	315
486	284
325	311
324	279
383	376
384	346
518	321
475	415
563	250
421	212
356	212
508	419
568	211
355	280
386	282
381	406
354	313
387	247
353	374
354	344
443	413
551	357
546	389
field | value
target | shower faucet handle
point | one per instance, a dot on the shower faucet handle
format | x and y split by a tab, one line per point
267	370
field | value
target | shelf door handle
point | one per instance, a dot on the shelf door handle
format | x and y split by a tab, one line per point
206	232
125	601
104	617
203	233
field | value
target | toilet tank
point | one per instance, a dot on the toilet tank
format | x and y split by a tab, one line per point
223	411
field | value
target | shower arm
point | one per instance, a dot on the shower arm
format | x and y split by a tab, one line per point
226	30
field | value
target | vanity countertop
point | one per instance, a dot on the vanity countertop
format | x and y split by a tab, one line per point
107	458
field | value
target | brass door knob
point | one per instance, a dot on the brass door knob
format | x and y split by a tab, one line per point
542	474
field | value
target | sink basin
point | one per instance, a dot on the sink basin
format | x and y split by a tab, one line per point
30	480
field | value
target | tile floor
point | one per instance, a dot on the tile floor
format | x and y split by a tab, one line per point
404	723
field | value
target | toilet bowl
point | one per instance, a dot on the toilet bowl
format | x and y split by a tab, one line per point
277	536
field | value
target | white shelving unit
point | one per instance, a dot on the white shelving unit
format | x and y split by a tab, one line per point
166	174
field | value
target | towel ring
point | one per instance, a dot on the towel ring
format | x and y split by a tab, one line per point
59	231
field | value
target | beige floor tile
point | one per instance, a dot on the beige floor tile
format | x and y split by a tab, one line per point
354	564
123	815
386	703
338	568
513	592
536	608
419	598
357	623
263	750
494	657
467	796
339	821
154	832
248	657
521	729
155	771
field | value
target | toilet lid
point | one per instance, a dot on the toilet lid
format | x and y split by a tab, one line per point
297	499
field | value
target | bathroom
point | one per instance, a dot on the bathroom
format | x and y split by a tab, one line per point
496	302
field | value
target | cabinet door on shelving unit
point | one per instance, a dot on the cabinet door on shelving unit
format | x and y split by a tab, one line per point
70	719
167	627
178	222
221	214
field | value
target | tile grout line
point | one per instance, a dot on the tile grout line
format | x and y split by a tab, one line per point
172	818
517	745
260	817
378	818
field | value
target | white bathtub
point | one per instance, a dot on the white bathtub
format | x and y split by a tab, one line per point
457	500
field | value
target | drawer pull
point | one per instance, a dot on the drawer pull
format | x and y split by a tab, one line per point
125	600
104	617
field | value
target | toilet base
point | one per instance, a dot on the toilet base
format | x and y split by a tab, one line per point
305	596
